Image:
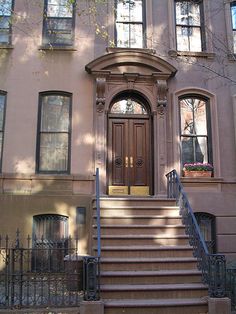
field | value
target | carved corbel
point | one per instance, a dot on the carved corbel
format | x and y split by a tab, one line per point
161	96
100	94
131	78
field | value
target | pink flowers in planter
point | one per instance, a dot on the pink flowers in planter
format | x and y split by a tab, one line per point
198	166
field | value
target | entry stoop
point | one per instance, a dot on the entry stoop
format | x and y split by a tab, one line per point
147	264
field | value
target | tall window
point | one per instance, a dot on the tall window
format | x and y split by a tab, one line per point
59	22
2	119
233	15
189	25
6	9
195	130
54	133
130	23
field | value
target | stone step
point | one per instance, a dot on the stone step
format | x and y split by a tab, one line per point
155	306
140	219
142	229
151	277
146	251
143	239
114	209
191	290
133	201
136	264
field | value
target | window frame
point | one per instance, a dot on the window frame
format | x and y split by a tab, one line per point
143	23
9	33
233	4
46	39
38	146
208	136
201	27
2	93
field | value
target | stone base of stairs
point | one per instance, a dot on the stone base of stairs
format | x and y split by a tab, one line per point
155	306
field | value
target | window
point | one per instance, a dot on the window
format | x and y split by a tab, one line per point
128	106
50	242
2	120
189	29
54	133
129	23
59	22
233	16
206	224
6	9
195	130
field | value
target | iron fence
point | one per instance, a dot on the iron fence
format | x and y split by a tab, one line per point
40	273
231	286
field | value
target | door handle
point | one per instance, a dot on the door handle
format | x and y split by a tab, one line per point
131	162
126	162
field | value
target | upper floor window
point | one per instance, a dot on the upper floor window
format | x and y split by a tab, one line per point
2	119
189	25
195	130
233	16
59	22
130	23
6	9
54	133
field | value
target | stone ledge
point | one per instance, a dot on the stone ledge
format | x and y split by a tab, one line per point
57	48
200	54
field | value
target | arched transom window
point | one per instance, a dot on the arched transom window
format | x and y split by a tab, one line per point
128	106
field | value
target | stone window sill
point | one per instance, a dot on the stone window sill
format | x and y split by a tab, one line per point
117	49
200	54
6	46
57	48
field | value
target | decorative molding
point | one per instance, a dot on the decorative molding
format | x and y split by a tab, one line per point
161	96
100	94
131	78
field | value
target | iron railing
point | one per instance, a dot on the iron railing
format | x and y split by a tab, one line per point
213	266
231	283
40	272
91	274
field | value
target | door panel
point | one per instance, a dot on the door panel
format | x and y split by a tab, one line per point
129	156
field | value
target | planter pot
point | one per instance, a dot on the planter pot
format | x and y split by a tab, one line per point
196	173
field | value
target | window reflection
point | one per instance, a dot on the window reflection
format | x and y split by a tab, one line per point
128	106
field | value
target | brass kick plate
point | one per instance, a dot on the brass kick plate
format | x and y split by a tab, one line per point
139	190
118	190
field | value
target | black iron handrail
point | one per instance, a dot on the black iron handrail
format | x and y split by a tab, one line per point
213	266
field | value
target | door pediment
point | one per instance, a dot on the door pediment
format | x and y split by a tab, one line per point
132	62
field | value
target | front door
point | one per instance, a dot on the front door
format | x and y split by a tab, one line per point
129	156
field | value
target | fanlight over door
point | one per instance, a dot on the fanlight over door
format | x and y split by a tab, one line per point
129	157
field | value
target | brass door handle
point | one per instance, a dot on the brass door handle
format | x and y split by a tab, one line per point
126	162
131	162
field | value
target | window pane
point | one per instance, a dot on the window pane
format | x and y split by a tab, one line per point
122	33
55	113
2	106
195	39
136	11
233	14
136	36
53	152
182	38
6	7
200	144
4	22
193	116
187	13
128	106
122	11
234	41
187	150
59	8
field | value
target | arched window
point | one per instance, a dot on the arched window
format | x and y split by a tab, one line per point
206	223
195	129
128	105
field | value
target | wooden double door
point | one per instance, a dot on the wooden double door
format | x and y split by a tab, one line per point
129	156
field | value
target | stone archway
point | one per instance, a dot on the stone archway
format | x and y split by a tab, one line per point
138	72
